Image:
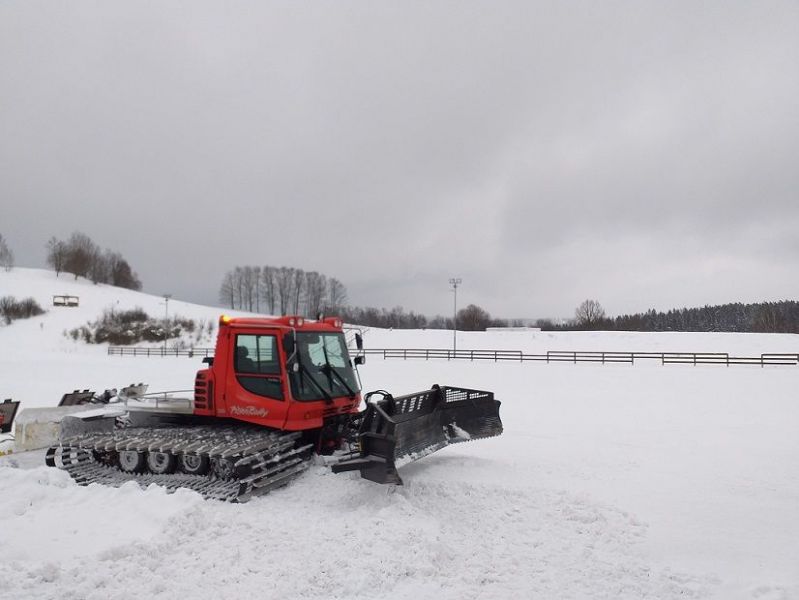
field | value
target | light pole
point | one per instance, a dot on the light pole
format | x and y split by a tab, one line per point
455	282
166	318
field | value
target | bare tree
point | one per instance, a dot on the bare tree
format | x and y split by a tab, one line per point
439	322
119	272
99	269
238	279
81	250
473	318
284	279
315	289
268	288
6	255
299	288
336	295
589	314
249	284
56	254
256	274
227	291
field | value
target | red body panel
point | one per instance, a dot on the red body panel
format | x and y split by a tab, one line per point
220	393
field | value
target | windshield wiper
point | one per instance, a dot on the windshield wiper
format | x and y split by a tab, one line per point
328	369
328	398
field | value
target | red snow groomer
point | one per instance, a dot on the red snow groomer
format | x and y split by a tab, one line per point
276	391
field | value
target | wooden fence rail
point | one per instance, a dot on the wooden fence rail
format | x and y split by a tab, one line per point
140	351
594	356
553	356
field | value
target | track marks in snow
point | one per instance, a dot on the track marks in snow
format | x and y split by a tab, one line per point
50	518
333	536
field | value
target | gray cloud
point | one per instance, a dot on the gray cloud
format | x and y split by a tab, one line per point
638	153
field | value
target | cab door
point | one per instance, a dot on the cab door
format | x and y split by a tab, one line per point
256	382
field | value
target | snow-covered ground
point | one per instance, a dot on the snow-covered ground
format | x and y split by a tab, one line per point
610	481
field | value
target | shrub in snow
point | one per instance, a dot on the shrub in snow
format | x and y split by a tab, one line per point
11	309
122	328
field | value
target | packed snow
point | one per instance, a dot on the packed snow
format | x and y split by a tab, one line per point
610	481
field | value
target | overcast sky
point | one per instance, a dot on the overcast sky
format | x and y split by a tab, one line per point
643	154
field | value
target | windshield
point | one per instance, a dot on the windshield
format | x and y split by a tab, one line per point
324	369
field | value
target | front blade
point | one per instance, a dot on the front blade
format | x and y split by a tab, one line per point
396	431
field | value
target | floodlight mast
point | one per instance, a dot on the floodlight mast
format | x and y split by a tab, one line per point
455	282
166	318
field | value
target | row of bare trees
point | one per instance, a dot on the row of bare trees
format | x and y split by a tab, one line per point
81	257
281	290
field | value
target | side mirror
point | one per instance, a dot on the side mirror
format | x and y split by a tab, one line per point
360	360
209	360
288	344
359	341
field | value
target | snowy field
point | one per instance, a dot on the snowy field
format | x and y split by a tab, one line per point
610	481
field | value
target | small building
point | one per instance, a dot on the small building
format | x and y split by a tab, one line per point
65	300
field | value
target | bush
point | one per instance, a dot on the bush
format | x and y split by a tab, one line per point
134	315
122	328
11	309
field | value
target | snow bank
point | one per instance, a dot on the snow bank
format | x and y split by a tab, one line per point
325	536
49	520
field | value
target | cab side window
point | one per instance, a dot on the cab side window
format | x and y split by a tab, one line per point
257	354
257	365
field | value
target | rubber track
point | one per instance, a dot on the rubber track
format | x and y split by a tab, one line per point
262	459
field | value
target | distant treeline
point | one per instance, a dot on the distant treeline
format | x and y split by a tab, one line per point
762	317
471	318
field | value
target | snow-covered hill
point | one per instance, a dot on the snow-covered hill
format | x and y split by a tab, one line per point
42	285
40	361
611	481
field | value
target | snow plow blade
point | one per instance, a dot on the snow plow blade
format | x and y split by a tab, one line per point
396	431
